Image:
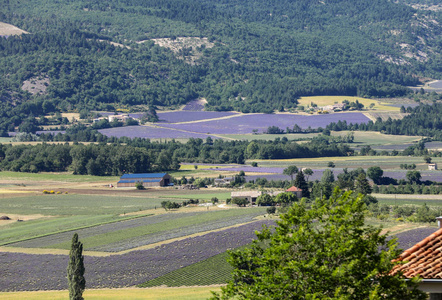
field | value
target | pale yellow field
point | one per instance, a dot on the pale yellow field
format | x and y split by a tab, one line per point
8	29
181	293
330	100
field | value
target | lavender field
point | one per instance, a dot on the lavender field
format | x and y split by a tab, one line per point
409	238
201	124
246	123
187	116
27	272
151	132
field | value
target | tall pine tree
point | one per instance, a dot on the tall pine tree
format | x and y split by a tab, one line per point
75	270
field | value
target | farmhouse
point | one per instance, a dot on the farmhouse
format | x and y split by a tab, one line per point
148	180
432	166
223	181
296	191
424	259
252	195
249	195
120	118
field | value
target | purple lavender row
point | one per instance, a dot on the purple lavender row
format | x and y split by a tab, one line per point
151	133
247	123
409	238
27	272
186	116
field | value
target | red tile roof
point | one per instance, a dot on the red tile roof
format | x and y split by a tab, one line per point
423	259
294	189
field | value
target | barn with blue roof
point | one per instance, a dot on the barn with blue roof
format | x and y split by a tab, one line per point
147	179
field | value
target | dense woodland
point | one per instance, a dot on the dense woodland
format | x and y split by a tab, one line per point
265	54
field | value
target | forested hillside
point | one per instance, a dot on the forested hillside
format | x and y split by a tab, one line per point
252	56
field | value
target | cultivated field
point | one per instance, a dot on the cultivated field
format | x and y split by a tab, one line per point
202	124
330	100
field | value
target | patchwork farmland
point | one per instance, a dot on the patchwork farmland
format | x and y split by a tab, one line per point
130	241
202	124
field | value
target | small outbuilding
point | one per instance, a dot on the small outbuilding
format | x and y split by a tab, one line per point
432	166
296	191
147	179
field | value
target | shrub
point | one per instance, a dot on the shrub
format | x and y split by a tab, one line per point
139	185
271	210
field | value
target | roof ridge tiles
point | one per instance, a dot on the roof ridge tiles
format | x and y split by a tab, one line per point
423	259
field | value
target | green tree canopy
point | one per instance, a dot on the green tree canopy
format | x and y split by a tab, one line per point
414	176
265	200
362	185
308	172
302	184
75	270
285	198
290	170
325	252
375	173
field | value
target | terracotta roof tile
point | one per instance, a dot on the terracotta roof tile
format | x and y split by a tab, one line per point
423	259
294	189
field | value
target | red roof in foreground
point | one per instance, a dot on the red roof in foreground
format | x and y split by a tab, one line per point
293	189
423	259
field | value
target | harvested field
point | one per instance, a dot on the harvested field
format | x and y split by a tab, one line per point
330	100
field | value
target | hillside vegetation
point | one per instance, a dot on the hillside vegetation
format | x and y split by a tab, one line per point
254	56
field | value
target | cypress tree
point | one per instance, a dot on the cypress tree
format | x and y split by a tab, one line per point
302	184
75	270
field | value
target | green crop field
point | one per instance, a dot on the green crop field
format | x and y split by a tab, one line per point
376	138
75	204
214	270
58	177
418	200
33	228
5	140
